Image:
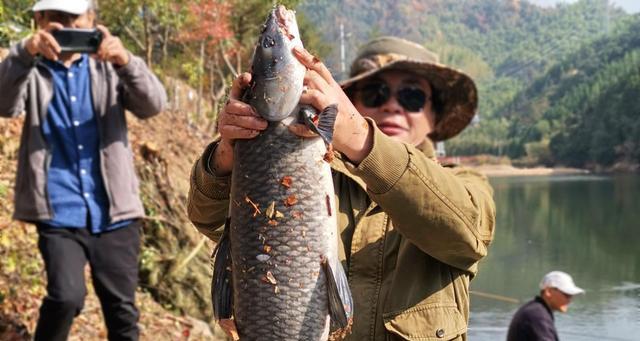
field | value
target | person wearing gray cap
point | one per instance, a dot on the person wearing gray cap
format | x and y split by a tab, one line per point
534	321
76	179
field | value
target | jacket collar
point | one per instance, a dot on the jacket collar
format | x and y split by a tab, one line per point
426	147
544	304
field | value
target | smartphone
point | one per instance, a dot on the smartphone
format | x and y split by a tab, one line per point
78	40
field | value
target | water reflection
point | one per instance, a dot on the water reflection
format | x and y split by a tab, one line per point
587	226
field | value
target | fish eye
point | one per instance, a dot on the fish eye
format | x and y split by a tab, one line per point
268	42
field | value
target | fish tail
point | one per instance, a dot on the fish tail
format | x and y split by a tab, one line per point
340	300
221	285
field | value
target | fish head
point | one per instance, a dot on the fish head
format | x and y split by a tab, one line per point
277	75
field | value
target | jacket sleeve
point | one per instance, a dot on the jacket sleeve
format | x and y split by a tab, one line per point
143	94
208	202
14	76
448	213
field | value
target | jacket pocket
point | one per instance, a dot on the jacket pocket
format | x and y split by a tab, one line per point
433	321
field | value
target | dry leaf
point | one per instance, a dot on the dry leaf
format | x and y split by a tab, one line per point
291	200
286	181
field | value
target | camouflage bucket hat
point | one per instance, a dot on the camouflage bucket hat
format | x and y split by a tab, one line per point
455	91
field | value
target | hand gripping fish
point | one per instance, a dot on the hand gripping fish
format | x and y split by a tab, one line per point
276	268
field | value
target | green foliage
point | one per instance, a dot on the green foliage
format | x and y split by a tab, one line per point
587	104
538	152
15	20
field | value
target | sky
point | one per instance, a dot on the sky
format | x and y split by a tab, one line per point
631	6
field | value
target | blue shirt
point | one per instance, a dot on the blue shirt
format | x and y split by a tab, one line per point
75	187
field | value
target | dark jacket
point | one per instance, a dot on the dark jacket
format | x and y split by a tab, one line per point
412	233
533	322
26	86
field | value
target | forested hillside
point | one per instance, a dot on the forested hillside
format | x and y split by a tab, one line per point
506	45
584	110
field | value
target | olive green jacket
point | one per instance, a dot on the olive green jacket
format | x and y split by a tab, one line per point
412	233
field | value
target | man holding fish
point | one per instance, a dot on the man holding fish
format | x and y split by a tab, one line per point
410	231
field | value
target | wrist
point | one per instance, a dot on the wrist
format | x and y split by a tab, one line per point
30	47
124	59
357	142
221	160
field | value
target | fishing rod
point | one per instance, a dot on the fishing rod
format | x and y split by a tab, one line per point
495	297
598	337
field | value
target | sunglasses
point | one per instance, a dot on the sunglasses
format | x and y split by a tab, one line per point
410	97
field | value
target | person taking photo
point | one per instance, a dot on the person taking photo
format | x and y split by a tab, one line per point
76	179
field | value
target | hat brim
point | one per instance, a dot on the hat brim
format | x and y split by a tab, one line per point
572	290
456	92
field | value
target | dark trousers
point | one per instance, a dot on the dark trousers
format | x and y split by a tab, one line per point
113	258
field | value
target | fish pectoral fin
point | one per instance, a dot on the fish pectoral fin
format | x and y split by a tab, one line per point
325	121
340	301
221	285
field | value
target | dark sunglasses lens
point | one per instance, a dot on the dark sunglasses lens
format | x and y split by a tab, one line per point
412	99
374	95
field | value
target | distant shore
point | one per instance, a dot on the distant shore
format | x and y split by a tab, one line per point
507	170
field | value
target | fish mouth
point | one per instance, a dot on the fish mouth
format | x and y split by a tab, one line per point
285	19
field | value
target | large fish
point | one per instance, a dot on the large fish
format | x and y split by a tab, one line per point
276	269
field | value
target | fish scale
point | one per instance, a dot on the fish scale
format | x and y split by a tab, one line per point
295	307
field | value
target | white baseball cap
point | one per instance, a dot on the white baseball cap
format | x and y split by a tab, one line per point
77	7
561	281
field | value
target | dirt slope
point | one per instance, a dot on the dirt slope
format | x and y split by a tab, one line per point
175	264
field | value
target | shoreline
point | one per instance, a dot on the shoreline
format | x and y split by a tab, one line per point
496	171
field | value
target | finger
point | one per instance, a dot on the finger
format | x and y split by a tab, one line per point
105	31
53	26
103	49
239	84
230	132
313	63
315	98
47	50
114	50
315	81
237	107
108	49
50	41
247	122
301	130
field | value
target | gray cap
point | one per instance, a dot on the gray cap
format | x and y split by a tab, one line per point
77	7
561	281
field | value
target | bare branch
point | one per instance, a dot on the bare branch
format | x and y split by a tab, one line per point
232	69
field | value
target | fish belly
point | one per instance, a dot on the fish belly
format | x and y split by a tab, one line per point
282	228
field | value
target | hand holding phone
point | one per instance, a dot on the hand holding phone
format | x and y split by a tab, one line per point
78	40
112	50
43	43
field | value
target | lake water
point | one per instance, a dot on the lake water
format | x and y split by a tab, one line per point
588	226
